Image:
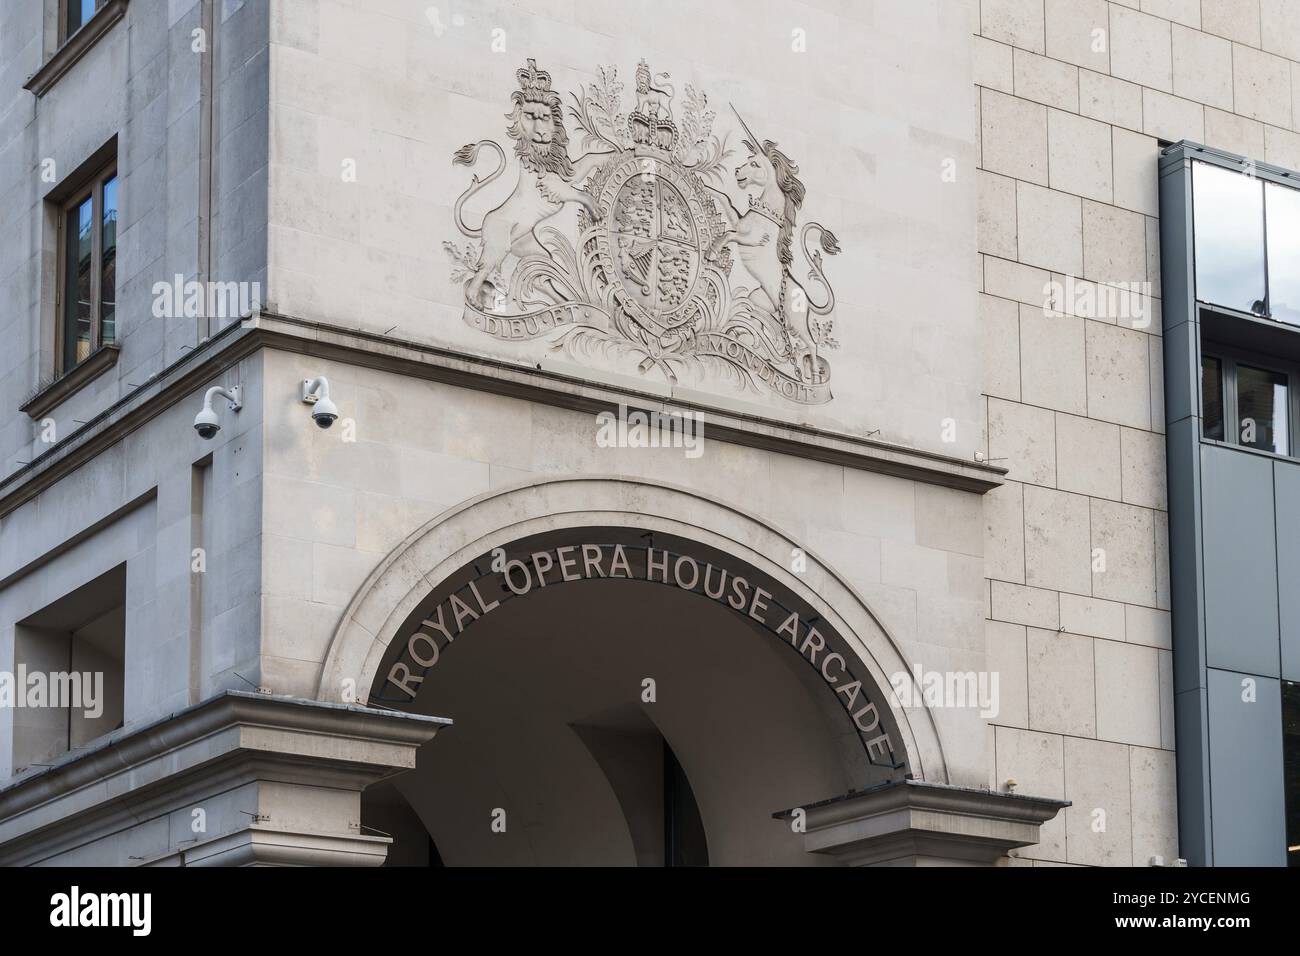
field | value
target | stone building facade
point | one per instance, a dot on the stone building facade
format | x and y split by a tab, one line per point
1072	121
725	458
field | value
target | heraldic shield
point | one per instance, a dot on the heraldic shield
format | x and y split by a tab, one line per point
655	240
650	275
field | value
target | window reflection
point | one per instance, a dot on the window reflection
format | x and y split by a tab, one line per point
76	306
1212	397
1283	252
79	11
108	262
1229	238
1262	409
89	272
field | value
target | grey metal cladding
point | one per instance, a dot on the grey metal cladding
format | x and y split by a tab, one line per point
1248	801
1240	561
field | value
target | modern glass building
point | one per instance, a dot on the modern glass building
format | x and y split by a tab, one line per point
1230	233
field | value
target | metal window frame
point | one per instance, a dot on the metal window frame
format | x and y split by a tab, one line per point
1223	394
1263	173
1263	241
1229	359
1295	188
92	188
65	7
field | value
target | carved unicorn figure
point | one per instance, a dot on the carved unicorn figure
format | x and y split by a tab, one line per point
763	234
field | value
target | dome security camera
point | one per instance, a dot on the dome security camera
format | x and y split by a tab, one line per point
206	422
324	413
316	392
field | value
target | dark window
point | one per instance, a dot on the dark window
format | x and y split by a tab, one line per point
80	639
1228	212
87	290
1291	768
685	843
108	260
1262	409
77	12
1245	401
1212	397
78	240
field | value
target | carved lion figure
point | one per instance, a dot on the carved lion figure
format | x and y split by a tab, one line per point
548	179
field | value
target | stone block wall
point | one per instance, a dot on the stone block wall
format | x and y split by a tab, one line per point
1074	100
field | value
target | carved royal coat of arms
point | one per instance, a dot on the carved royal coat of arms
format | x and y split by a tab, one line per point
666	272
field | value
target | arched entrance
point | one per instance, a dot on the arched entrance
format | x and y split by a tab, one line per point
637	675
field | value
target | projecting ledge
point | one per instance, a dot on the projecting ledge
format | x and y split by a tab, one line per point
915	823
278	780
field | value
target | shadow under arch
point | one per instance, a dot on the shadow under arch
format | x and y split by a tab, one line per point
442	557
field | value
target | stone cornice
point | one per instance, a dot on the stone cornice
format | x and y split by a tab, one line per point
588	394
259	845
158	393
227	740
910	822
372	350
134	745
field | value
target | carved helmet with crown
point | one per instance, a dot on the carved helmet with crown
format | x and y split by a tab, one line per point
659	132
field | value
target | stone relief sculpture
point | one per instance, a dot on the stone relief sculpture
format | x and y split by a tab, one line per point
650	276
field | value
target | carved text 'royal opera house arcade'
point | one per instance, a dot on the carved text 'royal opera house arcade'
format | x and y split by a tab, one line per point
538	434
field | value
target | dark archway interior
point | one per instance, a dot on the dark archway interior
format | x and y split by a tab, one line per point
616	722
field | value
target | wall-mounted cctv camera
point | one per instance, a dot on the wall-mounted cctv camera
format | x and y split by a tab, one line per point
206	422
316	392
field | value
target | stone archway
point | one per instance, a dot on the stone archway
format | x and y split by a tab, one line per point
914	817
442	548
